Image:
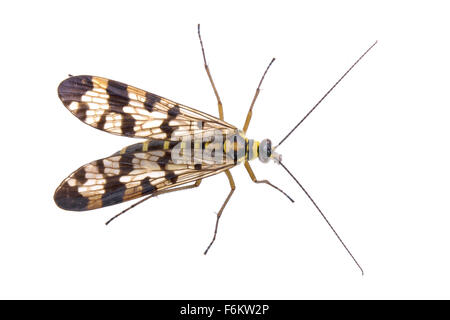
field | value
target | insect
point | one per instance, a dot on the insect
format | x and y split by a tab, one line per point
182	145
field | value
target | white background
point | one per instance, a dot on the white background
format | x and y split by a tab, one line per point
374	155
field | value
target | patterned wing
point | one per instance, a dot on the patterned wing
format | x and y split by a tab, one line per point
125	110
127	175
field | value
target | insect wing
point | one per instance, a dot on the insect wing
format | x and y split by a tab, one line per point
127	176
124	110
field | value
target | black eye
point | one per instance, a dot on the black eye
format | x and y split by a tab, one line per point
269	148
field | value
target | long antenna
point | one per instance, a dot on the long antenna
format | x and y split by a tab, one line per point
323	216
326	94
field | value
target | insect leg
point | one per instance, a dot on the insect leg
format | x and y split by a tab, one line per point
249	114
233	187
157	193
253	177
219	103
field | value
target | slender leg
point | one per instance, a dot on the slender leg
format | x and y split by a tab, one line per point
253	177
219	103
249	114
233	187
157	193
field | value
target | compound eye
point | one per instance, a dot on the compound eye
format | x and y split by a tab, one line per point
269	148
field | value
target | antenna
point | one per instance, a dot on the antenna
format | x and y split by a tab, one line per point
295	179
326	94
323	216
